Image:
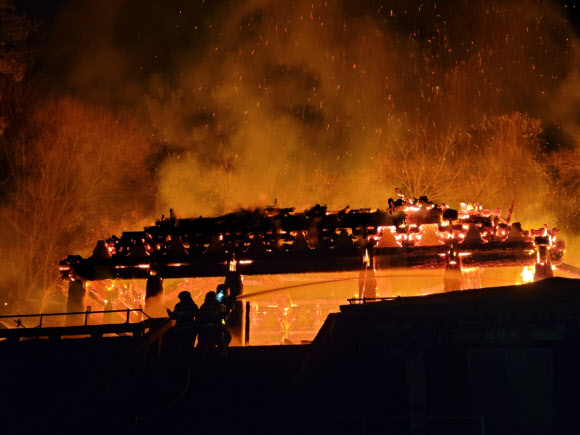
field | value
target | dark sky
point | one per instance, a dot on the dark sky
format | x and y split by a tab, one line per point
155	36
573	13
42	9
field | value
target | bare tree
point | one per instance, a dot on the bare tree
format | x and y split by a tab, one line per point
424	161
503	163
493	162
564	171
71	167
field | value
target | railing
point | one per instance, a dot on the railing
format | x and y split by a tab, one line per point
86	313
136	329
354	301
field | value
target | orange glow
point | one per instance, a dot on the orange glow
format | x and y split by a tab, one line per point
367	258
527	274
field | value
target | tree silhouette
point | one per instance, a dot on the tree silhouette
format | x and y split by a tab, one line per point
72	169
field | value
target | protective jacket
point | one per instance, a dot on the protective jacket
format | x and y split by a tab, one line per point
211	314
184	314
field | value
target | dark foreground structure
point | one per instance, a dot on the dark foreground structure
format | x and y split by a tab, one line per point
493	361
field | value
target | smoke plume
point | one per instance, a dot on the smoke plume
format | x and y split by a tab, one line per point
333	102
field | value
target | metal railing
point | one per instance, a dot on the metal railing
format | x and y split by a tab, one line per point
86	313
354	301
99	330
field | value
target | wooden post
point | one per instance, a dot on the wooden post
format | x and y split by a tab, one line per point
75	301
128	313
247	325
154	295
87	313
543	268
233	282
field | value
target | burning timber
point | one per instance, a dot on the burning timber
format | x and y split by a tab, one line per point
270	240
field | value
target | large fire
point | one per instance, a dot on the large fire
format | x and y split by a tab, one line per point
299	266
232	104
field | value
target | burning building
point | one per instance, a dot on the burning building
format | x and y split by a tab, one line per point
298	266
331	102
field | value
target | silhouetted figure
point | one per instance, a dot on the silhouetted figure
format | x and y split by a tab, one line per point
228	300
183	333
211	324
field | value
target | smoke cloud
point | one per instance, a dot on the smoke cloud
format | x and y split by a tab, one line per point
320	101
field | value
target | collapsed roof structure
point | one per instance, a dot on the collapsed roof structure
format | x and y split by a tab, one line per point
273	240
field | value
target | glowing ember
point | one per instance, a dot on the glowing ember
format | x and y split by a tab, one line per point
527	274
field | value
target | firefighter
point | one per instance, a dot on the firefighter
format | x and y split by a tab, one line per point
228	301
184	331
211	327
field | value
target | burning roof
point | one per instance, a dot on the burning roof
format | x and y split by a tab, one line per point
410	232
